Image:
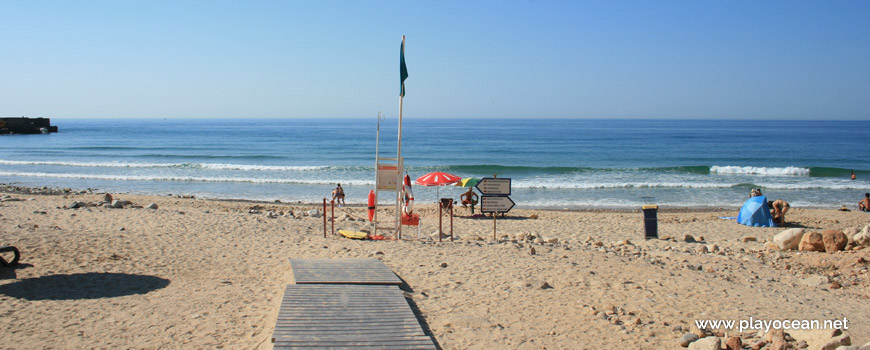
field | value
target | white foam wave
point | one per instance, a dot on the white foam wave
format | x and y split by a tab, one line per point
751	170
212	166
187	178
613	185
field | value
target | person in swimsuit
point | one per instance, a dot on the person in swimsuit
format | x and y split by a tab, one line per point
853	174
338	195
864	204
755	192
778	209
469	198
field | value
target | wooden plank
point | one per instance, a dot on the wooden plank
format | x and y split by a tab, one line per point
342	271
347	316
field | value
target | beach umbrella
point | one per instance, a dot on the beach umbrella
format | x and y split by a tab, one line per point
437	178
468	182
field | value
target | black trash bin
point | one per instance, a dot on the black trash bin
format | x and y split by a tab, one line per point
650	221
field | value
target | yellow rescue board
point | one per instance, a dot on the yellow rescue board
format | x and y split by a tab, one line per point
353	234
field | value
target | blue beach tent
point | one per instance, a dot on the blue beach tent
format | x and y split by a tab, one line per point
755	212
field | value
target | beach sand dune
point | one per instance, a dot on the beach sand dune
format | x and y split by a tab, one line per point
210	274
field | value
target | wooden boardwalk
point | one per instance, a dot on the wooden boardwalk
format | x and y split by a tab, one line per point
346	304
343	271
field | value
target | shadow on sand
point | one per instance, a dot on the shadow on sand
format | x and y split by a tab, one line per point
90	285
405	287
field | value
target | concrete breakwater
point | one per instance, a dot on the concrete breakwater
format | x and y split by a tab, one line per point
24	125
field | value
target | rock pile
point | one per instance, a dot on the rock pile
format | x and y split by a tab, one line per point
827	241
825	339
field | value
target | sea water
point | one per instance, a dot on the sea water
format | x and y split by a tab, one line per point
553	163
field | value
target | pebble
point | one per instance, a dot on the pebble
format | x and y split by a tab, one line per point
687	339
154	206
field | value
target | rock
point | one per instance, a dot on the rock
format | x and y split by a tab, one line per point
689	239
748	239
75	205
788	239
812	242
151	206
702	250
734	343
826	339
713	248
862	238
851	231
834	240
533	216
758	344
545	285
815	281
531	250
708	343
779	344
687	339
444	264
553	240
314	213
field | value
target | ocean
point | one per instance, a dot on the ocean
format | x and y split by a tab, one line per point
553	163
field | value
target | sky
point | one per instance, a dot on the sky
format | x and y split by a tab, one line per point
493	59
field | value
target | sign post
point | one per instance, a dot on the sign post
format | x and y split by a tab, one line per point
495	198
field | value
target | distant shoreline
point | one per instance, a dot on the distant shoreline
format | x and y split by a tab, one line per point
45	190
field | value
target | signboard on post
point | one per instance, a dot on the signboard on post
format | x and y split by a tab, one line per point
494	197
491	186
496	204
387	177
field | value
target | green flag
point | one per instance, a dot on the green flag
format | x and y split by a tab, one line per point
403	71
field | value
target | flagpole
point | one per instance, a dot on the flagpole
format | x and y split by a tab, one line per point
399	179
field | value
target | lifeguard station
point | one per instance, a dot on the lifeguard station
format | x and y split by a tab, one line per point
388	177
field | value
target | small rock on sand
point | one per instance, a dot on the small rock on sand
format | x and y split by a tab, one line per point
151	206
687	339
708	343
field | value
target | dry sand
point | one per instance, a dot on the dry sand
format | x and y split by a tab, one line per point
203	274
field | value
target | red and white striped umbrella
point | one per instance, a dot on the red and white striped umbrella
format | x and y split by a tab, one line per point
437	179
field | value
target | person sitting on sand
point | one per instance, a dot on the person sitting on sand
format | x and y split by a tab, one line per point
469	198
864	204
338	195
778	208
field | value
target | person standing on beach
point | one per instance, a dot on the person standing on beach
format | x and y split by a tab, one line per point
864	204
338	195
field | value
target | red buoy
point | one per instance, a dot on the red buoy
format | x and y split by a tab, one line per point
372	205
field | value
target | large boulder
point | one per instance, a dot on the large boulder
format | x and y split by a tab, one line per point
834	240
812	242
789	239
863	237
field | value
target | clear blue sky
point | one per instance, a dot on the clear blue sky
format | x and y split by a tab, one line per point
554	59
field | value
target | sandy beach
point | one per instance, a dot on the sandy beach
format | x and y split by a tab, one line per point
208	274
